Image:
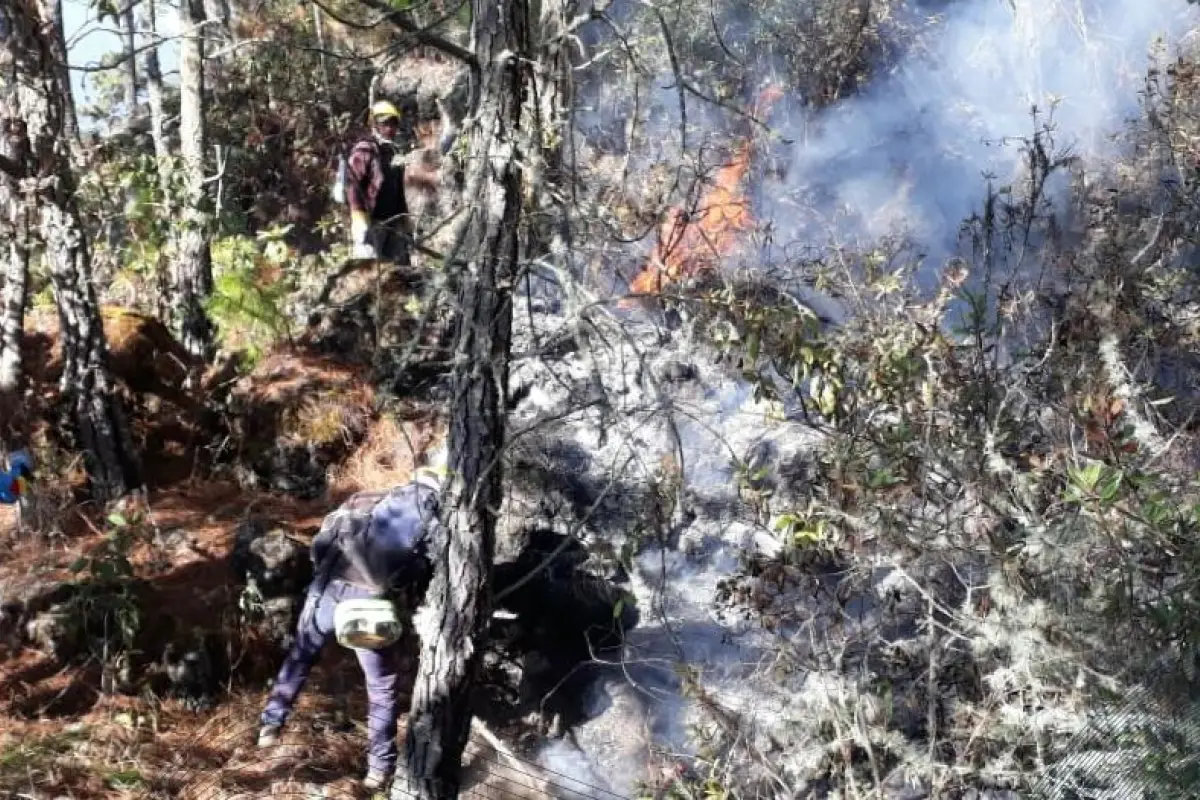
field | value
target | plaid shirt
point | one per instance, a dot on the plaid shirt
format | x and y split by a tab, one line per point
375	179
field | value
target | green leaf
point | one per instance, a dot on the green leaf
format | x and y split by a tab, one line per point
809	534
106	9
785	523
126	779
78	564
1086	478
881	479
117	520
753	342
1111	485
618	608
827	399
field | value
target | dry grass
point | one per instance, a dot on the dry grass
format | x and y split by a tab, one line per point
388	456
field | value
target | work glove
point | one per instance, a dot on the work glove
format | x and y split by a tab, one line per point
359	224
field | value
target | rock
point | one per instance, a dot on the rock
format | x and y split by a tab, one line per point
905	793
294	416
278	622
19	605
611	740
55	632
193	668
111	621
298	470
900	786
265	554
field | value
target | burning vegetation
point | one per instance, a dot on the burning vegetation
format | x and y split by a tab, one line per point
916	552
693	241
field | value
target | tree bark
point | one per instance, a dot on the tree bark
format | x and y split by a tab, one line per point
51	11
163	165
14	232
457	613
152	72
12	302
129	67
30	42
193	258
548	185
219	13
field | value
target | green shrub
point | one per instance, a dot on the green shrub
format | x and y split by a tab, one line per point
247	307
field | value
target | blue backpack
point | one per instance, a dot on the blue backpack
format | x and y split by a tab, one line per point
383	535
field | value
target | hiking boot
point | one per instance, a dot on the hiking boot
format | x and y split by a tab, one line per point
375	780
268	735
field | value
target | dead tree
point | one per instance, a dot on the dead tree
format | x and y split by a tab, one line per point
29	50
458	602
193	256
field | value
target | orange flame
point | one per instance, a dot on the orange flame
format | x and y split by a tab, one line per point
688	245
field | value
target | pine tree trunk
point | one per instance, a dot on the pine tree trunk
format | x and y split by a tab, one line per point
219	13
148	26
29	40
193	259
14	233
129	68
12	311
458	600
548	190
51	12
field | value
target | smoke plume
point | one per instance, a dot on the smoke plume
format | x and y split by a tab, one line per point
910	154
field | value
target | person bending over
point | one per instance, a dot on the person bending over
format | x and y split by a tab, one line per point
370	547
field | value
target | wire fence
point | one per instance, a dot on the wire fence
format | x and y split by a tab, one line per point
1143	745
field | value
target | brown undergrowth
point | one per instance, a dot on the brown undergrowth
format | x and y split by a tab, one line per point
60	735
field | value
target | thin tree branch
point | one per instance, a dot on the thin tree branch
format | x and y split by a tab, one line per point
424	35
123	57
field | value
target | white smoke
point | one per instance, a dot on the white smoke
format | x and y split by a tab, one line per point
909	154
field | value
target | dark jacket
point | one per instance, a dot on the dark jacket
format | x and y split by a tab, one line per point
377	540
374	181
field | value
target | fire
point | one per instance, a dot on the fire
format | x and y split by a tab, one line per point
690	244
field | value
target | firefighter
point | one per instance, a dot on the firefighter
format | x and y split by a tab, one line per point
369	563
379	224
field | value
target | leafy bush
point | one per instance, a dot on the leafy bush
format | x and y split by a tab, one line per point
992	443
247	304
106	607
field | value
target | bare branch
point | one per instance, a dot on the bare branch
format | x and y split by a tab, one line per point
424	35
123	57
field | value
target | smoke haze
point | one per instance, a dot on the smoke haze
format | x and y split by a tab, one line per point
909	154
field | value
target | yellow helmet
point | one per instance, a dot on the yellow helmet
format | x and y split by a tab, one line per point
382	109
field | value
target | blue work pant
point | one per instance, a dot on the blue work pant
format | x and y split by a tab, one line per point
378	666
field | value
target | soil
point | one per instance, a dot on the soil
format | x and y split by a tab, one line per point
60	736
